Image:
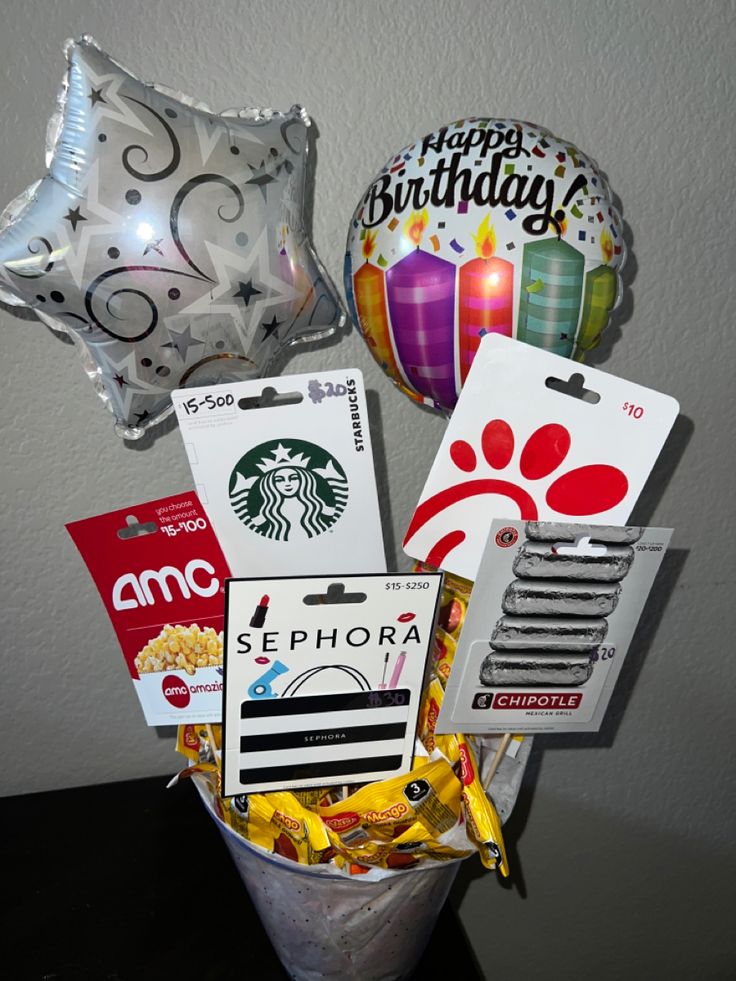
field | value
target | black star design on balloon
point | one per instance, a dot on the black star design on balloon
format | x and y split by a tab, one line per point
120	380
153	246
95	96
73	216
183	341
271	328
246	291
261	178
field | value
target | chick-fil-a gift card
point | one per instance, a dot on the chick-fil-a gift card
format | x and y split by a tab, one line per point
535	436
160	572
284	469
323	678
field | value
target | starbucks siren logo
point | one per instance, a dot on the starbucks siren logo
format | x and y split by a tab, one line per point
288	488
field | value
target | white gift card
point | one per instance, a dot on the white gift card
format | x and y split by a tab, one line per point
550	619
536	436
323	678
284	469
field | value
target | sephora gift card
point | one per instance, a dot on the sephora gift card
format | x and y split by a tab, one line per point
323	678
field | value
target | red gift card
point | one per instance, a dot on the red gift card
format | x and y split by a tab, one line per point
160	572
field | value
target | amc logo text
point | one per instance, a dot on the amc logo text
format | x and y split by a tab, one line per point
140	588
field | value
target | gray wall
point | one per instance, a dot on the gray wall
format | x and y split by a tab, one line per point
621	841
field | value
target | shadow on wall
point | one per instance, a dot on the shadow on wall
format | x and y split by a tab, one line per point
665	584
622	901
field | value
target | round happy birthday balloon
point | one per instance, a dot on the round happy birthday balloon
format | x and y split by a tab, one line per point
169	242
485	226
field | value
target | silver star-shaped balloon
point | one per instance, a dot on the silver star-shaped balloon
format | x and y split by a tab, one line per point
162	235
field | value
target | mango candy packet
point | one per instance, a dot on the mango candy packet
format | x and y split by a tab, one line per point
397	822
483	822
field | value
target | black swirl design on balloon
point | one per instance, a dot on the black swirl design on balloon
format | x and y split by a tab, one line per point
179	198
127	291
166	171
287	124
35	251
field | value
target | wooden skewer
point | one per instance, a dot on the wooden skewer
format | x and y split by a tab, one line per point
500	753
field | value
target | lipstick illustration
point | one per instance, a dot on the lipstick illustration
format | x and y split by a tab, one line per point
398	667
259	614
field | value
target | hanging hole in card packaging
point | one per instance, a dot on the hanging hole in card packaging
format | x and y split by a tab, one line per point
168	241
582	546
574	388
335	594
269	399
135	530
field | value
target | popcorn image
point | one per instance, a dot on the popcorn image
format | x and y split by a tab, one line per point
181	648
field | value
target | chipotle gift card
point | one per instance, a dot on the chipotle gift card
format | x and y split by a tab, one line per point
160	572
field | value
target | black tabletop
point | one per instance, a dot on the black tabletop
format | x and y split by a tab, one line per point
128	881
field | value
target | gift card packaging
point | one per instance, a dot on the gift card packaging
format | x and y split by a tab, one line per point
284	468
550	619
160	572
536	437
323	678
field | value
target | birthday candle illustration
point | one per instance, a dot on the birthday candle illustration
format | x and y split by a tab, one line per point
421	304
485	297
551	288
601	285
370	299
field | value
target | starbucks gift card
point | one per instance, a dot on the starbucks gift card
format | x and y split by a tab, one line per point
284	468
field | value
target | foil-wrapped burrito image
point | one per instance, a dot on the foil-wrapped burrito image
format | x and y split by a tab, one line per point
553	597
538	668
513	633
558	531
542	560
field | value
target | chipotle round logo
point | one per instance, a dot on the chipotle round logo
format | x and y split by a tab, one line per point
176	691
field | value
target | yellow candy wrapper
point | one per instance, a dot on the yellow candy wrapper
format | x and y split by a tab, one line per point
445	647
278	823
482	820
371	824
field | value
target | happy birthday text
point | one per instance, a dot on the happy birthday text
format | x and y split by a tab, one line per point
450	181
